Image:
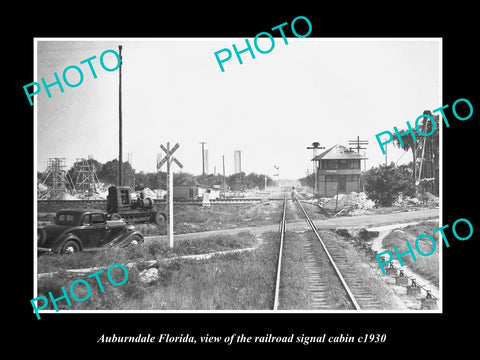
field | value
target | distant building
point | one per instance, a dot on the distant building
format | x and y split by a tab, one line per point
338	170
237	158
190	192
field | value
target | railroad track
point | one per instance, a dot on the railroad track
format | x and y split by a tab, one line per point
283	226
359	296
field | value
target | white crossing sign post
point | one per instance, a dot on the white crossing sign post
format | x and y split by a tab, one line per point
168	159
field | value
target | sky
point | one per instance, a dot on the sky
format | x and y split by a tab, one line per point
271	108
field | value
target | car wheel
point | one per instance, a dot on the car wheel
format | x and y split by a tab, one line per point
116	216
70	247
159	218
135	240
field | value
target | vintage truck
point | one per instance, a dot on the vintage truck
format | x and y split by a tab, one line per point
142	209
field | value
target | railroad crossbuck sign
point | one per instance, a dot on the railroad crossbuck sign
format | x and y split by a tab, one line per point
169	156
168	159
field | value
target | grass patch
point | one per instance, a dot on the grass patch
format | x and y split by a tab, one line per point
151	251
426	266
190	219
239	281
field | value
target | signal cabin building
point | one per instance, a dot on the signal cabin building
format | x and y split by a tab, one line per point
338	170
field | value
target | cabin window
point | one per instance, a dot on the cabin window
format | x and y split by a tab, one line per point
332	164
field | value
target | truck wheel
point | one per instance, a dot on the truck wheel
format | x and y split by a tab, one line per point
70	247
116	216
159	218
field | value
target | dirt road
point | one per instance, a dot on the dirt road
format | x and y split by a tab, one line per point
332	223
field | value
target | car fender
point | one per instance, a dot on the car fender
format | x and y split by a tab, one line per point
63	239
124	238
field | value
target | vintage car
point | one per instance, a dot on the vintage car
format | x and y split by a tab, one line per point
81	229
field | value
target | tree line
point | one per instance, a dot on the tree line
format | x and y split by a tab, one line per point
108	173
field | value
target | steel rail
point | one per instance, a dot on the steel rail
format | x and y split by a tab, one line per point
279	267
330	258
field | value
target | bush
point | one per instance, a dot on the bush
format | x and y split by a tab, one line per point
386	183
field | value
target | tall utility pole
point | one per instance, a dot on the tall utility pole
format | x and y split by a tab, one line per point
170	197
358	144
120	182
203	161
386	152
359	147
315	146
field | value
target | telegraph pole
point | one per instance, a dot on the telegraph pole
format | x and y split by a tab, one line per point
386	152
359	147
358	144
120	182
170	197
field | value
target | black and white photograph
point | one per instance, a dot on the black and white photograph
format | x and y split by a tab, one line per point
278	188
195	197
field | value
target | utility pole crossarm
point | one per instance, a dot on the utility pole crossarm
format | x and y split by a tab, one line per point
358	144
